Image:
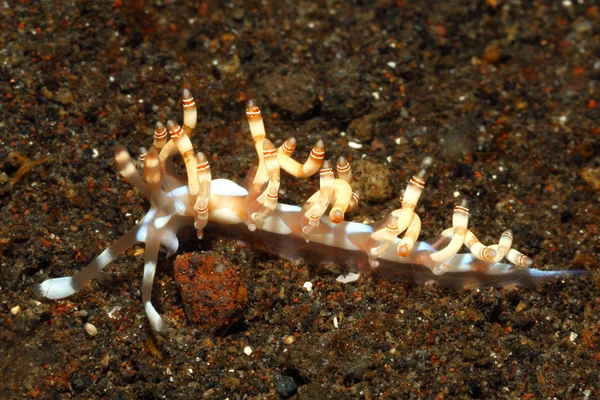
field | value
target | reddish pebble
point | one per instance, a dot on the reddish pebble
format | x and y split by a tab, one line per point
213	291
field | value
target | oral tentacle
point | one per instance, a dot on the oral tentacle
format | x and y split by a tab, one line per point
58	288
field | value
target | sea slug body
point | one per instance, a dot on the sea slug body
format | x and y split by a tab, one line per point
197	200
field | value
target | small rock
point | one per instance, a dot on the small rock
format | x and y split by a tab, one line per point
90	329
285	385
295	94
231	382
492	53
373	180
308	286
363	127
592	177
238	13
46	93
213	290
289	339
64	96
231	67
347	278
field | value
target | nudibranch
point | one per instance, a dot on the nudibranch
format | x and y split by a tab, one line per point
196	200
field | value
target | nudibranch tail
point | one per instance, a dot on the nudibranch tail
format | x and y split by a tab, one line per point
198	201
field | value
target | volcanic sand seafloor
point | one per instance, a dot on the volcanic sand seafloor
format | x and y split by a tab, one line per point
503	97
